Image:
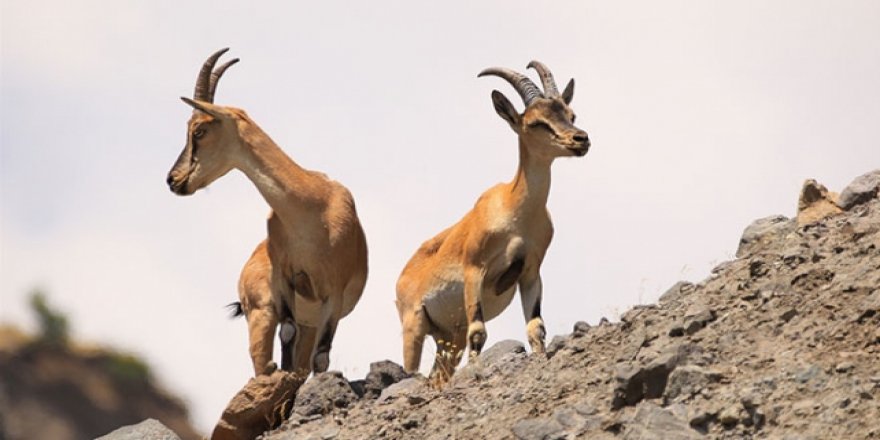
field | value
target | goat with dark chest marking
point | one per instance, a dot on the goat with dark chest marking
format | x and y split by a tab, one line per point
467	274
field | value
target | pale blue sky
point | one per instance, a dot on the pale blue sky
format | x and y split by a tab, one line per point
703	117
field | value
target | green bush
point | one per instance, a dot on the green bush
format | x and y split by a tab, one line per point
54	327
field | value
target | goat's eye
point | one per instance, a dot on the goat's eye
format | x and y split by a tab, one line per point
540	124
573	117
198	133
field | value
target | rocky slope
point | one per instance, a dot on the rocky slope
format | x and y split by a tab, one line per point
53	391
780	343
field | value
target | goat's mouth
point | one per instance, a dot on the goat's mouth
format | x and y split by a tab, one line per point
178	184
579	150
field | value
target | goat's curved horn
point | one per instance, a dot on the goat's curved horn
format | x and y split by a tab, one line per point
523	85
215	77
550	89
203	83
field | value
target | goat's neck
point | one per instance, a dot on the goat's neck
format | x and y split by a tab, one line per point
288	188
531	185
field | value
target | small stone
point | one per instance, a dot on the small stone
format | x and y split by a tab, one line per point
148	429
675	292
537	429
407	387
676	329
730	416
580	328
788	314
844	367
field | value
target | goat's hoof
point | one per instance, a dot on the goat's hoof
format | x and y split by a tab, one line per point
270	368
322	362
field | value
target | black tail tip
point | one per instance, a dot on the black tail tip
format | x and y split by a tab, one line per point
235	310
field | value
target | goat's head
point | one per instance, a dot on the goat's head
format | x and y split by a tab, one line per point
212	134
546	126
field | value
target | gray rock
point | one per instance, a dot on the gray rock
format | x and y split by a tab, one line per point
502	352
634	382
861	190
650	422
405	388
870	305
557	343
580	328
764	232
675	292
688	380
322	393
538	429
696	317
382	374
149	429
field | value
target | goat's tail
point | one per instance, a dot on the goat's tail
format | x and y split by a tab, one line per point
235	310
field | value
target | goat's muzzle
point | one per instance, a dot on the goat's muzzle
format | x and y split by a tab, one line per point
581	144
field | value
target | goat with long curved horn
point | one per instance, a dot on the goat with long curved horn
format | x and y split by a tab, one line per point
468	274
521	83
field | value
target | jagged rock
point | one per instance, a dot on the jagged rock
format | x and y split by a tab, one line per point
262	404
149	429
405	388
861	190
790	353
762	233
675	292
696	317
580	328
382	375
632	383
650	422
501	351
815	203
688	380
538	429
322	393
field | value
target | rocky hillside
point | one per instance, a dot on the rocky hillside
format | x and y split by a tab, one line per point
68	391
780	343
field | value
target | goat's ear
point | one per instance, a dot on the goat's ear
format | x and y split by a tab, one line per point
206	107
505	109
568	93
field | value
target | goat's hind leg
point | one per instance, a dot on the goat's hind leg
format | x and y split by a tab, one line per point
450	348
415	328
261	332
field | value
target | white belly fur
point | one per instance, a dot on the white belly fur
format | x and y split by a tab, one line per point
445	306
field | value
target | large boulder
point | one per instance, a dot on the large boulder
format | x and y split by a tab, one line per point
816	203
861	190
322	393
263	403
382	375
764	233
149	429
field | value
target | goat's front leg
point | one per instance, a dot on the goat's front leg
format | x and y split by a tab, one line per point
473	292
530	292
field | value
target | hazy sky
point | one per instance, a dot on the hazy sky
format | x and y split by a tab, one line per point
703	117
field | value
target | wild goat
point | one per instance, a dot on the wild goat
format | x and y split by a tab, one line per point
468	273
316	246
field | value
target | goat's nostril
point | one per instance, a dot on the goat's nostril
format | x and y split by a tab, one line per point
581	138
169	180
